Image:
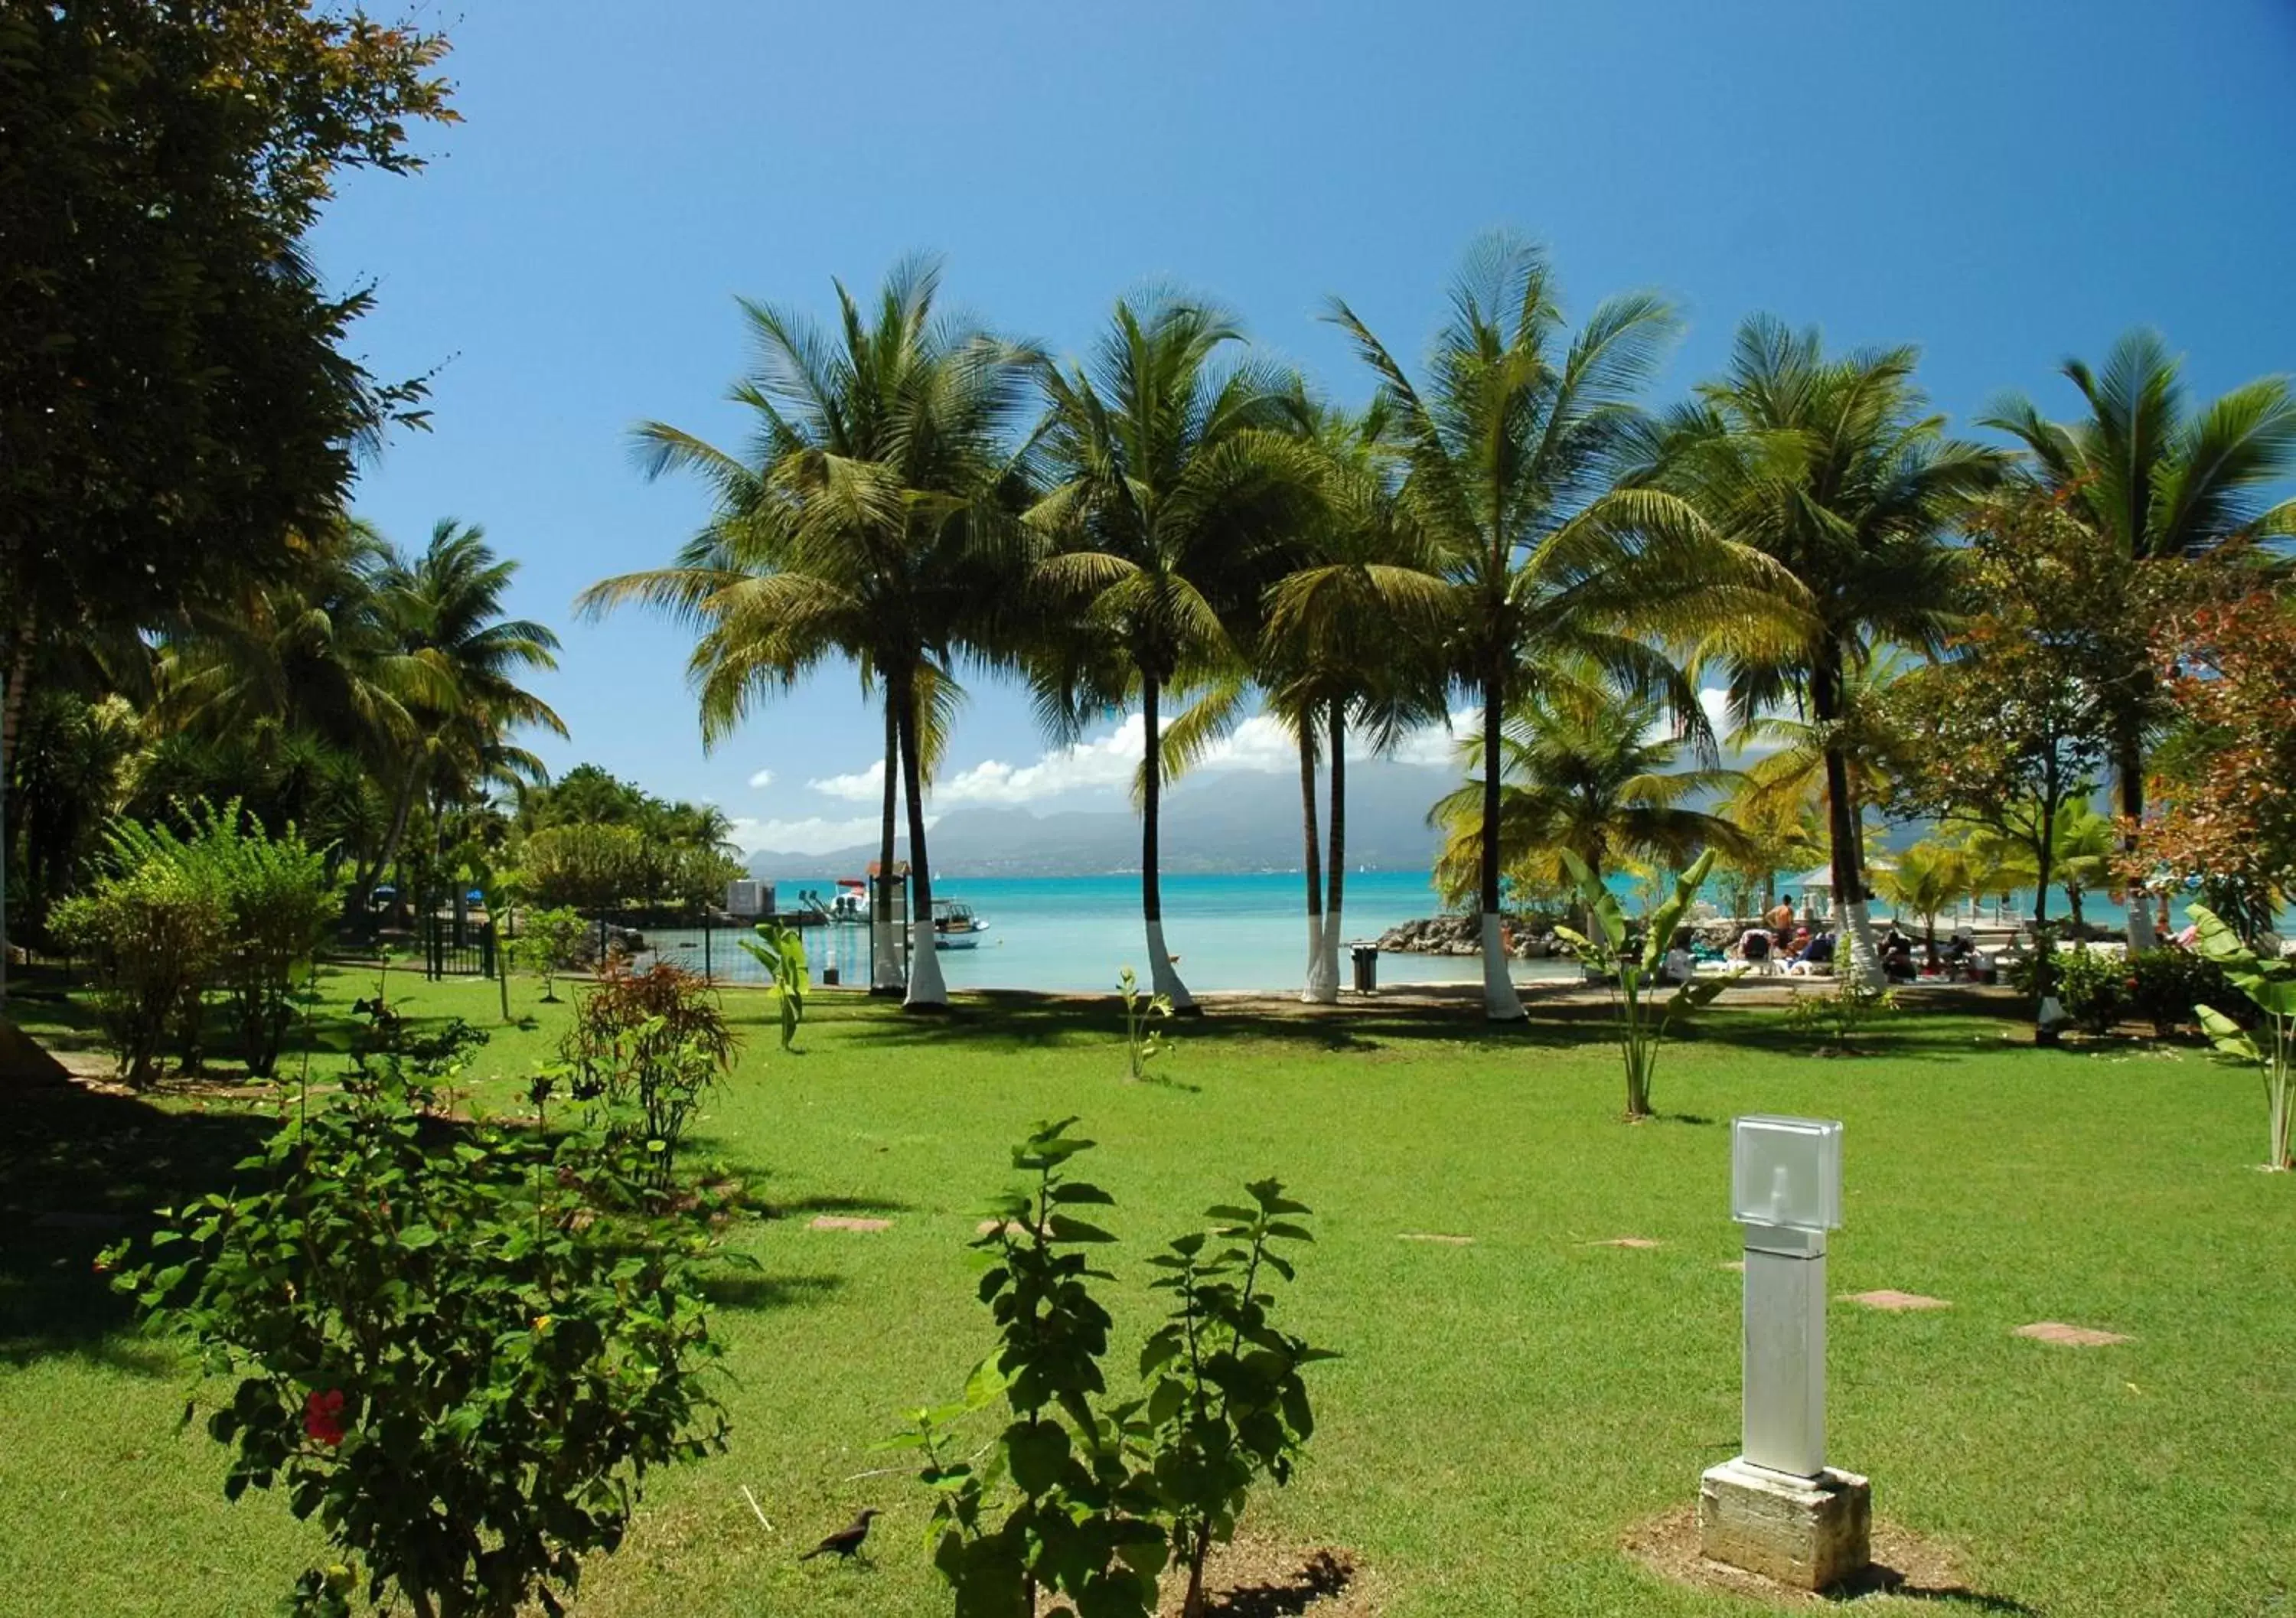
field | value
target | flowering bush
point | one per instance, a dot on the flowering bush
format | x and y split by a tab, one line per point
449	1350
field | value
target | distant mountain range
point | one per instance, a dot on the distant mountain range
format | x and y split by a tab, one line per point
1215	825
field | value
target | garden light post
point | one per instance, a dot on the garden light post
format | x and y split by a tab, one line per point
1778	1509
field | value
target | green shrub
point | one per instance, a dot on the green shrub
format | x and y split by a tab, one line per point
2094	989
1834	1017
2168	985
645	1046
155	929
450	1351
1085	1504
169	915
779	950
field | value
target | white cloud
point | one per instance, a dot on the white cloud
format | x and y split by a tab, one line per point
862	786
816	834
763	778
1093	766
1437	746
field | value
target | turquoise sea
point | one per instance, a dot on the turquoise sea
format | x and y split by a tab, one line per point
1074	934
1077	932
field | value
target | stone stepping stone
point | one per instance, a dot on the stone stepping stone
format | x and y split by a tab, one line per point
2071	1336
1637	1242
1889	1298
992	1227
839	1221
1429	1236
1737	1264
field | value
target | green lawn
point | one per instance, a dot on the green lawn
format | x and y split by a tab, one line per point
1505	1410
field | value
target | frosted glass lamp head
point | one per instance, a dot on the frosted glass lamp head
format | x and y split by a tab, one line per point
1786	1172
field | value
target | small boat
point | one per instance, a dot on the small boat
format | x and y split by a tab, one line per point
956	926
851	903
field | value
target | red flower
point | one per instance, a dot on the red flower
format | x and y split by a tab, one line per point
323	1416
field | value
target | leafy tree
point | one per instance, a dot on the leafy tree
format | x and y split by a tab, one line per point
550	940
174	391
2158	482
1834	470
1178	484
1514	445
2008	731
2227	776
873	524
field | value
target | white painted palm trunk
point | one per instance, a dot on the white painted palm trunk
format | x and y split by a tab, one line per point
926	988
1323	984
886	973
1500	1000
1161	978
1854	950
2140	920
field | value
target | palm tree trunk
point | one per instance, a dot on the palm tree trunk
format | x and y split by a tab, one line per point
1335	886
1165	981
399	814
1322	987
1854	950
926	990
19	674
1501	1003
2129	767
885	977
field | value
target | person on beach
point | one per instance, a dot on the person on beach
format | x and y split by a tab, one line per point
1779	918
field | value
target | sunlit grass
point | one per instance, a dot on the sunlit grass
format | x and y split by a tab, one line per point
1506	1409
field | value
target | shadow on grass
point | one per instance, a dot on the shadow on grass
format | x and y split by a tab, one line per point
1318	1579
826	1203
1938	1030
754	1291
78	1170
1880	1579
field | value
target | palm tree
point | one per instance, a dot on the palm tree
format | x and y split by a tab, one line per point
1588	771
870	524
444	607
1346	646
1178	492
1513	448
2085	847
1928	878
2159	482
1834	470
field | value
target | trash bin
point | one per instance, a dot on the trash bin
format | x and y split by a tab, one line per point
1366	960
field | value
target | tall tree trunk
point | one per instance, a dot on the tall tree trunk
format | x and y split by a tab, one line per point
1162	977
926	990
2128	768
1336	886
2048	1015
885	976
1501	1003
399	815
1853	950
1322	987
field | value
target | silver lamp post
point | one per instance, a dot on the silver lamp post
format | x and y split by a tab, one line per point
1777	1509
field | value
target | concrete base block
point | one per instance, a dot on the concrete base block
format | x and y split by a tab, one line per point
1810	1534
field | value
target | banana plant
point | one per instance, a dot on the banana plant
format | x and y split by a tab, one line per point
2271	1047
781	950
1643	1017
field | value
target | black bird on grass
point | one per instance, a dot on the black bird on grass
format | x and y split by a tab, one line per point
845	1542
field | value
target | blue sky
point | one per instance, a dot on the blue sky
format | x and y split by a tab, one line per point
2003	184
